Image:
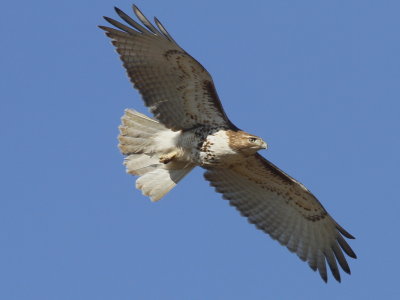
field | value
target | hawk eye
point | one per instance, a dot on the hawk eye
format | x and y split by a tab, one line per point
252	140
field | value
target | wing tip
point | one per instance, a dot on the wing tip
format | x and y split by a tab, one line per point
324	277
118	11
347	270
136	9
345	233
336	275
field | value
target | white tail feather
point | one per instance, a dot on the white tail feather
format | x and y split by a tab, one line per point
140	164
144	140
160	181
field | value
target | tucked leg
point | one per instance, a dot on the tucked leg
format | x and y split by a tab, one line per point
166	158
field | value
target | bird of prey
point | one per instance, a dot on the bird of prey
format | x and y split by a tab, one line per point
190	128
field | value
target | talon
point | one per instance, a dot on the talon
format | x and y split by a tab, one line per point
166	158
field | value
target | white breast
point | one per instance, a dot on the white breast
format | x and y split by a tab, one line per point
216	149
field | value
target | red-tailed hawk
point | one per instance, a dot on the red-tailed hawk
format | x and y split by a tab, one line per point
191	129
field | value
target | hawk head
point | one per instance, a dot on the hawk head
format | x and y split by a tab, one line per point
245	143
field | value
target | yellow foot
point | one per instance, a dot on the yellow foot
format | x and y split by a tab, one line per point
166	158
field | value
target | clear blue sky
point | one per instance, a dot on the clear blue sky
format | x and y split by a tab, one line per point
318	80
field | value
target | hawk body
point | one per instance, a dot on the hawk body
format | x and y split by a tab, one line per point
191	129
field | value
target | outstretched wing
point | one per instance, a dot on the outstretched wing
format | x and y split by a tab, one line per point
286	210
178	90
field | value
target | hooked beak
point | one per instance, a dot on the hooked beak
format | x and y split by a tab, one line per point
264	145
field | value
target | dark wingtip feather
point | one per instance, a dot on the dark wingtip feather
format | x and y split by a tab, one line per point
345	266
340	257
349	236
313	267
109	20
121	26
332	264
321	266
346	248
118	11
336	274
344	232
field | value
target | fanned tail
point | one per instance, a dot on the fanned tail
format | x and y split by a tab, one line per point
144	140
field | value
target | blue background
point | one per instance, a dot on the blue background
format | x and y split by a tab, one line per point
318	80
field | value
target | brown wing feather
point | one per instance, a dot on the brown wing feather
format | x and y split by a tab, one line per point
286	210
178	90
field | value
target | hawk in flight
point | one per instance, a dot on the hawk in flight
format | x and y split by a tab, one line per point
190	128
